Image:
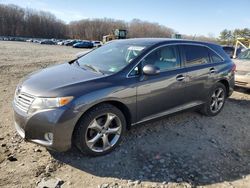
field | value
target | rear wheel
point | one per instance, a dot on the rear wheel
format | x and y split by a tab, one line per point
215	101
100	130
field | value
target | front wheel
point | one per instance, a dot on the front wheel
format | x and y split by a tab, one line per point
100	130
215	101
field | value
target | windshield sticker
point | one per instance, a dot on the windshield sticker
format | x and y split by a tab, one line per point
113	69
136	48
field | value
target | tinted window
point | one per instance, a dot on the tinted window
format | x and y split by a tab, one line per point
196	55
214	57
165	58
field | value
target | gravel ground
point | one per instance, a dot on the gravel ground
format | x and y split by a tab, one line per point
183	150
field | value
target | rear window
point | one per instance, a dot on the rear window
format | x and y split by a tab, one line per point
214	57
195	55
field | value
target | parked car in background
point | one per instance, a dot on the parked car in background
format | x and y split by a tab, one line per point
242	74
229	50
83	44
91	101
61	42
71	42
18	39
97	43
49	42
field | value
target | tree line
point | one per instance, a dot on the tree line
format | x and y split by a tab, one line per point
229	37
17	21
96	28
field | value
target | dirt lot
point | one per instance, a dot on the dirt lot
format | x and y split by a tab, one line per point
184	150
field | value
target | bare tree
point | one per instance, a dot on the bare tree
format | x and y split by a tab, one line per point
138	28
16	21
94	29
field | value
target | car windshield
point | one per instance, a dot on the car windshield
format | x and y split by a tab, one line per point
244	55
111	57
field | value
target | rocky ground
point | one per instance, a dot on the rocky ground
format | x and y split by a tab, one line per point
184	150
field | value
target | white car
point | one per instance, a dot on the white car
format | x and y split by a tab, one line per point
97	43
60	43
242	74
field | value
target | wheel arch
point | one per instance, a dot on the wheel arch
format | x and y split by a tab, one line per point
118	104
226	84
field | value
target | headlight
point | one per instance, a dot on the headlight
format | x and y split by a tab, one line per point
48	103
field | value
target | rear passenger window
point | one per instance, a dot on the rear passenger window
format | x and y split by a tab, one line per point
214	57
196	55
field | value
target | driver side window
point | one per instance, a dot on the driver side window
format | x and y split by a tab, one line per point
165	58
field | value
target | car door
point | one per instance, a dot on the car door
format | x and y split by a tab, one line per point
157	94
201	72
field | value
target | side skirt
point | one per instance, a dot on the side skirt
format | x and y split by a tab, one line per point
171	111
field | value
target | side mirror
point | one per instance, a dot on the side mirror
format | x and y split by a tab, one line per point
151	70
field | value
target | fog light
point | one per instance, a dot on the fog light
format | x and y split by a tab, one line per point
49	137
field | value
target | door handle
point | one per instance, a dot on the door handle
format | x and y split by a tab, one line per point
212	70
180	77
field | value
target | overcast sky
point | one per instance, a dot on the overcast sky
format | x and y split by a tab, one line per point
201	17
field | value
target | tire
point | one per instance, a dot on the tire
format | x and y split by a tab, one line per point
100	130
209	110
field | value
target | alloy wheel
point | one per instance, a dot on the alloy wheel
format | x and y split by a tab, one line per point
103	132
218	98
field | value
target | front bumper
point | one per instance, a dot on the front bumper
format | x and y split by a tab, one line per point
57	122
242	81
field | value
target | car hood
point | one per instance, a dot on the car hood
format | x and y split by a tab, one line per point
242	66
47	82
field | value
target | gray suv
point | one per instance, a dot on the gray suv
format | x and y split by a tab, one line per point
91	101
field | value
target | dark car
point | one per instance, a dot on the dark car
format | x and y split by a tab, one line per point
229	50
91	101
71	42
49	42
83	44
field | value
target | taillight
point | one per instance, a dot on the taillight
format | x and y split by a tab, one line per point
233	68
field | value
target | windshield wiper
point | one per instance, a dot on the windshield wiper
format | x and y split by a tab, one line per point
93	68
76	61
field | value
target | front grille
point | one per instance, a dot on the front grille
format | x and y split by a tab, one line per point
23	101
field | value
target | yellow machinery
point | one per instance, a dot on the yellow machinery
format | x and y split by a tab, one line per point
176	36
244	42
117	34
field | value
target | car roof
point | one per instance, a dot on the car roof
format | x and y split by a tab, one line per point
150	42
154	41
